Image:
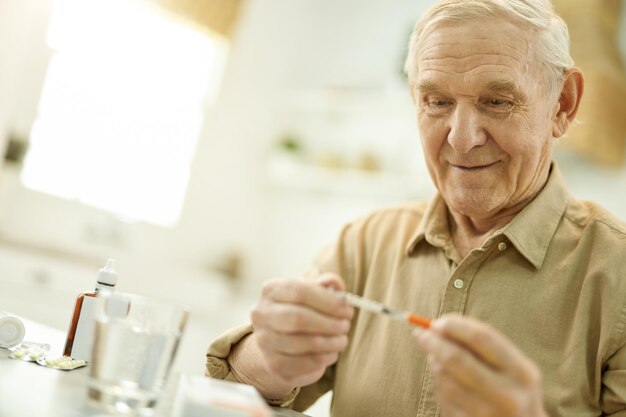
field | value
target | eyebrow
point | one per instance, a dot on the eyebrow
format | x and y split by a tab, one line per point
503	86
427	87
497	86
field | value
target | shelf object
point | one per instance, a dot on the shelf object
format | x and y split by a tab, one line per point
291	173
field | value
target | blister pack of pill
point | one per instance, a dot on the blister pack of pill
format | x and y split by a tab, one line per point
29	351
65	363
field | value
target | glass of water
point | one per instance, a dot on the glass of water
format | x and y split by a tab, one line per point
135	343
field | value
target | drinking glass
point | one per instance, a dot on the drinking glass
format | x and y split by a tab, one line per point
135	343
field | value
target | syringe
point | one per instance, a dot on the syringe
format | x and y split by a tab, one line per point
375	307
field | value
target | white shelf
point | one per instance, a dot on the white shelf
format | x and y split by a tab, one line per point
354	100
290	173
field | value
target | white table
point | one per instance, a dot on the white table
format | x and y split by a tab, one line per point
30	390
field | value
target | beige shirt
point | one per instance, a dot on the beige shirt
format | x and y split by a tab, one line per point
553	281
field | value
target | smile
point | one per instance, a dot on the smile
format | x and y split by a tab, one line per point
473	167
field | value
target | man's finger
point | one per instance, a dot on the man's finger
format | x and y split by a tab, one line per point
295	368
457	362
455	399
486	343
331	280
296	319
309	294
301	344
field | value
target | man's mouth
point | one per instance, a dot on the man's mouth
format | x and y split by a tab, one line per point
470	167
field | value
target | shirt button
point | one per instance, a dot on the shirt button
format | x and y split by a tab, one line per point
502	246
458	283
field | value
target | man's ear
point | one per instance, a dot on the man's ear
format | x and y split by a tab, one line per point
569	101
413	90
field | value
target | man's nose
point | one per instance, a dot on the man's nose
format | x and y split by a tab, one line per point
466	131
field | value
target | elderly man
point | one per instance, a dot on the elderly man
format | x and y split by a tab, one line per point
527	285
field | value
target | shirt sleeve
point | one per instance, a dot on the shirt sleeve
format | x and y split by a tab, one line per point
613	391
338	258
613	395
217	365
217	355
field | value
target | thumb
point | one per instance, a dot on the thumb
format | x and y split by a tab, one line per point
331	280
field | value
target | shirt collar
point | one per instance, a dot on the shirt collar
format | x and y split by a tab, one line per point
530	231
433	227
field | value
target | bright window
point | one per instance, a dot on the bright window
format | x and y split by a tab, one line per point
122	108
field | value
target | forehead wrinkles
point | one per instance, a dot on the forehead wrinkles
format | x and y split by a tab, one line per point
481	55
470	49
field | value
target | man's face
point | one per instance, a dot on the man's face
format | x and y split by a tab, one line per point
484	114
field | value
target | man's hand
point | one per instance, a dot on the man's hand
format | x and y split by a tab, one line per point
478	372
299	330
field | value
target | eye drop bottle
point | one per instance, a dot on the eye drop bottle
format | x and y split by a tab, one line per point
80	333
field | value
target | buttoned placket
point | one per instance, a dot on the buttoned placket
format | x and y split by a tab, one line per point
454	301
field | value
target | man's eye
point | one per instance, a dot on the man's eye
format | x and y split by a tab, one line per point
498	102
437	105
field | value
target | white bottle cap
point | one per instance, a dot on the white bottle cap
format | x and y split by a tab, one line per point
11	331
108	274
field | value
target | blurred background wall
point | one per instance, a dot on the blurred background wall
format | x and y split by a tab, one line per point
310	125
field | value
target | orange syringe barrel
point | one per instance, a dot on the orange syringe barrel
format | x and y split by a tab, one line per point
418	321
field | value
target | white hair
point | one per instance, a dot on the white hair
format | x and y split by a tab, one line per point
551	30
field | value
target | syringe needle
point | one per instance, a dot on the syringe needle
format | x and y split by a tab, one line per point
374	307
